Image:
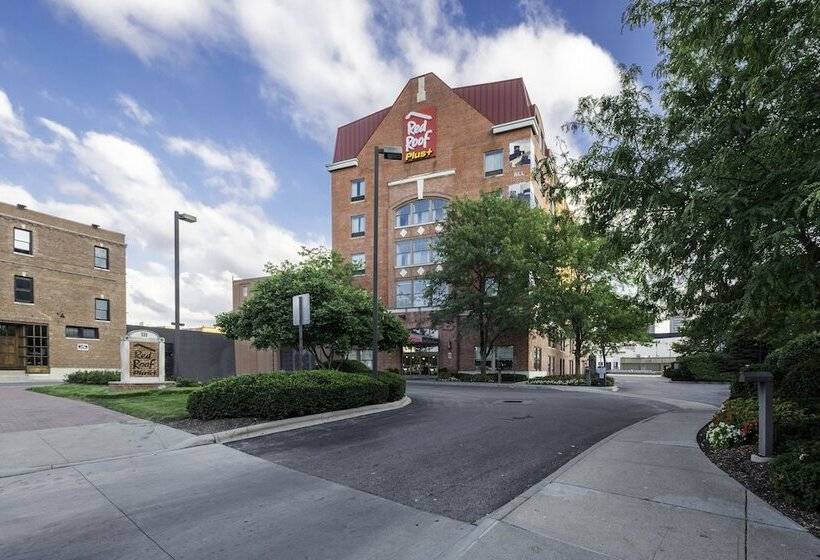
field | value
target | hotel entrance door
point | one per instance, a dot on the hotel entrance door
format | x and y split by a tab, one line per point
421	357
12	350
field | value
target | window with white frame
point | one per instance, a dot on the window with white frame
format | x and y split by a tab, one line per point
493	163
357	190
410	252
101	257
358	260
418	212
22	241
357	226
412	293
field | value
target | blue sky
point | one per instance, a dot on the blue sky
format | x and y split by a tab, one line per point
120	111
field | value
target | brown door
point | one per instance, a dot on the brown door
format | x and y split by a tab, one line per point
10	348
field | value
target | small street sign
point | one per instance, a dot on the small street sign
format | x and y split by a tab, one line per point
301	310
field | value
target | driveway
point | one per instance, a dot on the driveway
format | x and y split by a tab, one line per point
459	450
655	386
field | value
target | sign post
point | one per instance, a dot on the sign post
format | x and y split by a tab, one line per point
301	317
765	417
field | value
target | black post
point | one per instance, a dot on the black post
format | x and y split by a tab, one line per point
375	348
177	353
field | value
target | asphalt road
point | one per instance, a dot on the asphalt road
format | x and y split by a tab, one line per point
661	387
458	450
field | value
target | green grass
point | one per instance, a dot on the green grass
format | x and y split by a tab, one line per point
159	405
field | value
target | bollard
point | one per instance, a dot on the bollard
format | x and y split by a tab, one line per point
765	416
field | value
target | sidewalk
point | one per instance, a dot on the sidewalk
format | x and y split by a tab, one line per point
42	432
646	492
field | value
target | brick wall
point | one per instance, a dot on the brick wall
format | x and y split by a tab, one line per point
66	284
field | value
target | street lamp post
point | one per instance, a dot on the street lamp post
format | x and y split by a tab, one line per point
389	152
178	216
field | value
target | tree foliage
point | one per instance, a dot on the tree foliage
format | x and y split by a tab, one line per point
488	249
578	294
341	313
716	190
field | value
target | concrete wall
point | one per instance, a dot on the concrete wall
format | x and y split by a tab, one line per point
204	355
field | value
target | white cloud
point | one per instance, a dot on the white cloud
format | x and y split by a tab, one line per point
16	138
132	194
133	110
330	65
259	180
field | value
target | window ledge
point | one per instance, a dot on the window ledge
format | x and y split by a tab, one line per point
80	338
23	254
103	320
105	269
24	303
356	198
357	234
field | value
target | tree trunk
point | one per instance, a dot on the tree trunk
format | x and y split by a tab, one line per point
483	350
577	352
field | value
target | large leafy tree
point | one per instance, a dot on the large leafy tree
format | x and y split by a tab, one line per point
578	293
488	250
716	189
341	313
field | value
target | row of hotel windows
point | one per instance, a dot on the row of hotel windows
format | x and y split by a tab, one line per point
493	165
554	365
24	244
24	293
410	252
418	212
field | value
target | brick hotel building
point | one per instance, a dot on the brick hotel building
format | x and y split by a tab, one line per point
456	142
62	295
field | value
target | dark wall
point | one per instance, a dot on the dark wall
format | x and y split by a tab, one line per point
204	355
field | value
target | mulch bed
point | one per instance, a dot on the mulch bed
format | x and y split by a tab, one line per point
757	478
200	427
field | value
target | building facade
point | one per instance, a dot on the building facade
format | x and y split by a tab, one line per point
456	142
62	295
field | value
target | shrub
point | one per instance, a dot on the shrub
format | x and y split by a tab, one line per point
280	395
572	380
796	473
704	366
93	377
352	366
722	435
791	421
187	382
798	371
488	377
396	384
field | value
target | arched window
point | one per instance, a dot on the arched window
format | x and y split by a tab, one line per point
424	211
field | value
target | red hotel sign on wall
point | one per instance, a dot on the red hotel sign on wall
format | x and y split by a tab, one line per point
420	134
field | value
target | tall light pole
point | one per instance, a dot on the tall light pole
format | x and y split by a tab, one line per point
178	216
389	152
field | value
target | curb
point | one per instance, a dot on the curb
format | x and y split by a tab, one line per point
231	435
276	426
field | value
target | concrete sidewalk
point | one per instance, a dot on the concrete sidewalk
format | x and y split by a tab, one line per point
42	432
646	492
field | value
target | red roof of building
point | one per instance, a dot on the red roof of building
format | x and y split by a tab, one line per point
500	102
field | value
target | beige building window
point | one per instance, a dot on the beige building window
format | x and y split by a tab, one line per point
357	226
23	289
102	309
101	258
23	241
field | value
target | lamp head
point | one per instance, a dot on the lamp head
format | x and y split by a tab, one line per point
186	217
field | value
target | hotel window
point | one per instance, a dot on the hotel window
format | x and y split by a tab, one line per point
358	260
23	289
363	356
412	293
357	226
101	257
102	309
357	190
82	332
416	251
22	241
424	211
36	345
536	358
500	358
493	163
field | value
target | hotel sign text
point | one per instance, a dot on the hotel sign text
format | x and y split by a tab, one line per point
420	134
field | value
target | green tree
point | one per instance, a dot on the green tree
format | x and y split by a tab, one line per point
488	249
716	189
618	320
576	294
341	313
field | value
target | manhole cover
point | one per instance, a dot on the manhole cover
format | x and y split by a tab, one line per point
513	401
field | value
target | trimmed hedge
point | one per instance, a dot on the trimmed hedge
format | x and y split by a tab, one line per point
92	377
278	395
352	366
490	377
796	473
704	366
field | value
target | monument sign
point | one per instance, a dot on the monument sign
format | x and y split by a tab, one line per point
142	356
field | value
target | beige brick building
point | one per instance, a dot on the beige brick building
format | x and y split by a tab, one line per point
62	295
456	142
